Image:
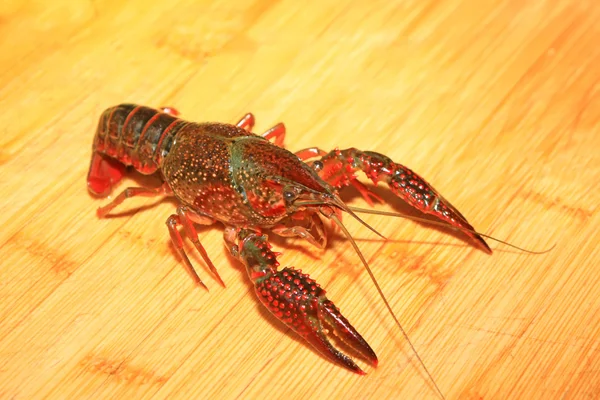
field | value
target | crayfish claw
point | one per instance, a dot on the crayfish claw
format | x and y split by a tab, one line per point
301	304
346	332
338	168
319	340
328	315
297	300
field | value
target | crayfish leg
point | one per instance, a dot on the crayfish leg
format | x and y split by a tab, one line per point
310	152
296	299
170	110
338	168
133	192
186	218
246	122
277	133
306	225
104	173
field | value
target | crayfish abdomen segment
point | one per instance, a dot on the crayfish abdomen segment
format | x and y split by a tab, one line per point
136	135
129	135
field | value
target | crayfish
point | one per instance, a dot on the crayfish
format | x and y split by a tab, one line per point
251	183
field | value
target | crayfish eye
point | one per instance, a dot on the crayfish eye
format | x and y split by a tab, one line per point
289	196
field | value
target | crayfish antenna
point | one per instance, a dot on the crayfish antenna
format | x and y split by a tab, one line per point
337	221
338	202
456	228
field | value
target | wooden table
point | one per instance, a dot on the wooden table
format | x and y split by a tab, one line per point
495	103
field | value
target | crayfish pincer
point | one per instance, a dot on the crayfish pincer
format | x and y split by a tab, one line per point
297	300
250	183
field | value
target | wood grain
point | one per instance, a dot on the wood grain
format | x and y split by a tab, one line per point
496	103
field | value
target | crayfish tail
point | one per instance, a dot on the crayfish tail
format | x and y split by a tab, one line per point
104	173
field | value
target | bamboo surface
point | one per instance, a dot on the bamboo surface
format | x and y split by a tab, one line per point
496	103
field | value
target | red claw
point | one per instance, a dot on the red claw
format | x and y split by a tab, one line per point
338	168
299	302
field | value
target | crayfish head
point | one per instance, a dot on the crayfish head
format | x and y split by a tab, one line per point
292	196
278	196
275	182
